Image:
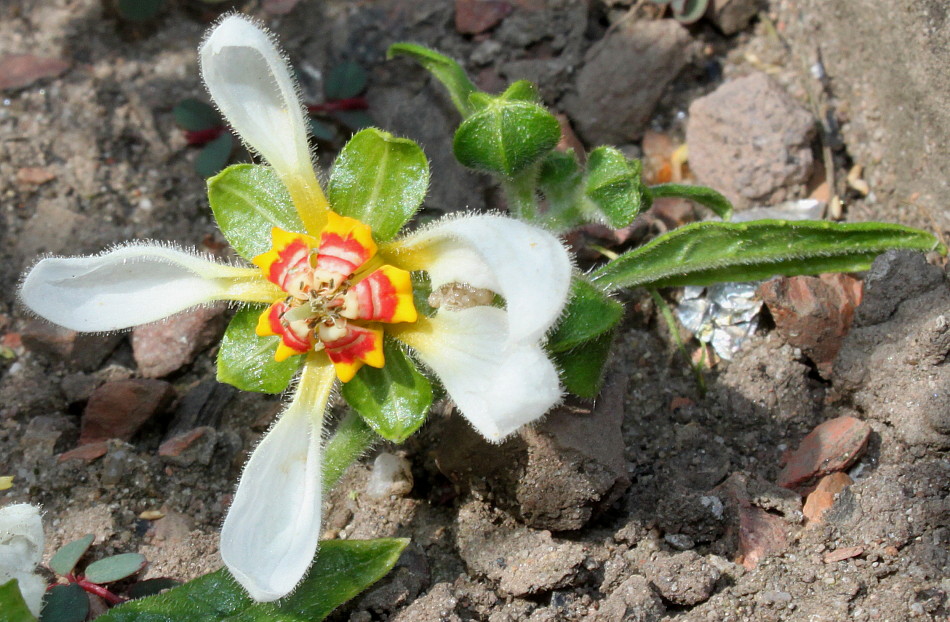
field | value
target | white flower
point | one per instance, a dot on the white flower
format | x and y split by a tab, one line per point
490	360
21	548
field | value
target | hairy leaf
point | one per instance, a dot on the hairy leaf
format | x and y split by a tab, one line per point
246	360
446	71
706	197
506	137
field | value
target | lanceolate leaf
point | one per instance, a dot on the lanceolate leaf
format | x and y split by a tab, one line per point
446	70
506	137
12	607
394	400
713	252
380	180
706	197
248	200
589	314
343	569
614	186
582	368
66	557
246	360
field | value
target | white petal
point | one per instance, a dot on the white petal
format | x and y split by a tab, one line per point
270	534
497	386
124	287
21	534
250	81
528	266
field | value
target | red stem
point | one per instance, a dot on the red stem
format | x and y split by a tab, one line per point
94	588
350	103
200	137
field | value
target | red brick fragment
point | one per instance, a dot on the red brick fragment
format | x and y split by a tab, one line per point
34	175
86	453
832	446
760	535
842	554
822	498
21	70
476	16
119	408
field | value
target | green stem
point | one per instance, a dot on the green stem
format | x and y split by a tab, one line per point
675	334
351	440
521	192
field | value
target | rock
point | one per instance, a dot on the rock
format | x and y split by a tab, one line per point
633	601
813	313
761	535
750	140
760	532
42	436
832	446
34	175
391	475
823	496
839	555
55	228
18	71
87	453
731	16
118	409
623	77
522	561
895	276
473	17
163	347
201	406
83	351
437	605
684	578
172	529
194	446
26	390
554	475
78	387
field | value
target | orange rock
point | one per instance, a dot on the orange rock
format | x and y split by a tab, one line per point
823	497
34	175
87	453
832	446
760	535
842	554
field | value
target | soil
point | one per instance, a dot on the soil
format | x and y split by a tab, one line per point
682	521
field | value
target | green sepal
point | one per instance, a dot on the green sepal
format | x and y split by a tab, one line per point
342	569
246	360
714	252
582	368
248	200
393	400
65	559
114	568
614	186
194	115
707	197
12	606
445	70
379	180
345	80
589	314
522	90
214	156
506	137
64	603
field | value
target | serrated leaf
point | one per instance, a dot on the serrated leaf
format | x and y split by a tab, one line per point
589	314
614	186
65	603
380	180
248	200
445	70
714	252
706	197
12	606
139	10
63	562
393	400
582	368
214	156
150	587
345	80
194	115
246	360
114	568
506	137
342	569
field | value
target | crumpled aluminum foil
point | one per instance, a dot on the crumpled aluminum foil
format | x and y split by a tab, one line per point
725	315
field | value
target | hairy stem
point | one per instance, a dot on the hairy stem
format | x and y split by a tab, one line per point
351	440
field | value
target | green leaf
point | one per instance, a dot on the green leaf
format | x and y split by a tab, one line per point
343	569
248	200
215	155
689	11
614	186
706	197
522	90
114	568
321	131
713	252
582	368
246	360
560	179
65	603
354	119
348	79
195	115
394	400
506	137
139	10
150	587
380	180
63	562
589	314
445	70
12	607
350	440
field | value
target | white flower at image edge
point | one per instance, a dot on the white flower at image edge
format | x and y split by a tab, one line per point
21	549
490	360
